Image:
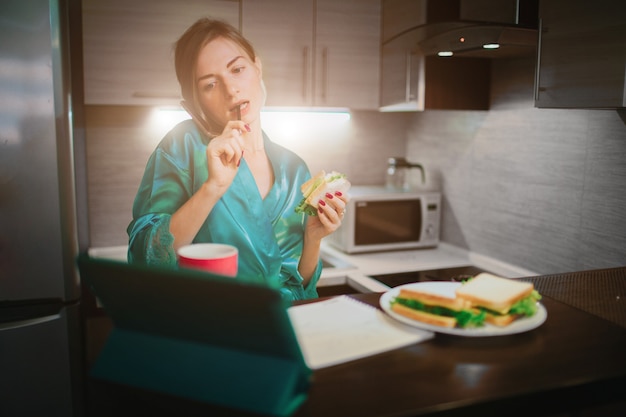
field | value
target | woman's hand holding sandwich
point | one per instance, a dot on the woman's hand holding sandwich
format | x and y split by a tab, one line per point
324	202
325	197
329	217
330	210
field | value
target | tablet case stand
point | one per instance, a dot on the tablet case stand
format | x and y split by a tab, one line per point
179	332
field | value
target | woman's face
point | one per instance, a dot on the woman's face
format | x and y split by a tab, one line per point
227	78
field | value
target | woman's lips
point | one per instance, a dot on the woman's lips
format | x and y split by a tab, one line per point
240	108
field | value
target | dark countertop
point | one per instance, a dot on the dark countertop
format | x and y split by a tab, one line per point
573	363
600	292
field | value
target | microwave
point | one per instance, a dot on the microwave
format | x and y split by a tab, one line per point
379	219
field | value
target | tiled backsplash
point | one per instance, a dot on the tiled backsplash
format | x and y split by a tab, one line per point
544	189
120	140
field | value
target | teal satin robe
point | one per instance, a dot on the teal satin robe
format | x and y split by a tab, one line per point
267	232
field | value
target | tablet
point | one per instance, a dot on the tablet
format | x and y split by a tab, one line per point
197	335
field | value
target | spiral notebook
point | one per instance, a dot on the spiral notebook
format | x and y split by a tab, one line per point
342	329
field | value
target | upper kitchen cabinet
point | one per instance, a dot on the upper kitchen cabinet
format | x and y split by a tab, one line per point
436	54
582	54
128	47
317	53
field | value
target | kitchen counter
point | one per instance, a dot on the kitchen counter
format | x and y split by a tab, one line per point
573	364
355	270
375	263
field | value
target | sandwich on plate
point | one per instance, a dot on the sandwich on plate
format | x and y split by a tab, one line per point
316	188
503	300
436	309
482	299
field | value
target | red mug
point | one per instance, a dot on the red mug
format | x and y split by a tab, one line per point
216	258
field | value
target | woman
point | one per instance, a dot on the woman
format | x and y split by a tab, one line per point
219	178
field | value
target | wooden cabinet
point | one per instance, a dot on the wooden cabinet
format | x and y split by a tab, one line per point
402	69
128	47
282	35
582	54
399	16
317	52
348	43
411	81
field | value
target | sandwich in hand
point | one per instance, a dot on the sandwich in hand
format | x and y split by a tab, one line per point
483	299
316	188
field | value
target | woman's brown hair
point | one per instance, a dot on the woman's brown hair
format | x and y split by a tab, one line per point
188	47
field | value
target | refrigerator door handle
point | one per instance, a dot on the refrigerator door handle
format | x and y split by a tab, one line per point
25	311
25	323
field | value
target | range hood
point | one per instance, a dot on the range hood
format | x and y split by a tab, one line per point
477	28
481	41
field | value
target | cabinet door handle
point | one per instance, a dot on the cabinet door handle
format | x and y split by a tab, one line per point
538	69
305	72
324	73
407	92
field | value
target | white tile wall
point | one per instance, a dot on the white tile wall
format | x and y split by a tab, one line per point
543	189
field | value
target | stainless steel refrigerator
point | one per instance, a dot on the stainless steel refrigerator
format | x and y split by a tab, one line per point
40	152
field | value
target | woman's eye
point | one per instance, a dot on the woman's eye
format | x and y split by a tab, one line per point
237	70
208	86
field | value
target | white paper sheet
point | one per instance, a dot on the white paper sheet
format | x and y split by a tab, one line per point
342	329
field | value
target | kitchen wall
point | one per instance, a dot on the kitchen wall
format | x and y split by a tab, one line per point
543	189
120	140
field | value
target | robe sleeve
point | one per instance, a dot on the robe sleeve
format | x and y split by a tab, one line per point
292	287
151	241
165	187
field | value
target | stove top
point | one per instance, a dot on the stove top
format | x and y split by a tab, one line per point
447	274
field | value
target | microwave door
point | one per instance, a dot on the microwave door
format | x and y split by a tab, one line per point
387	222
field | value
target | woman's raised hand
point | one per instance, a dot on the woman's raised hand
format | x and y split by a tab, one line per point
224	154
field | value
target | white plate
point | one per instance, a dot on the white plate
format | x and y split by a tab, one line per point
447	289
